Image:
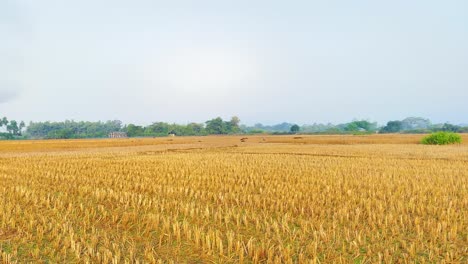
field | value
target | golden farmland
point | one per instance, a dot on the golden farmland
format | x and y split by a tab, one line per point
269	199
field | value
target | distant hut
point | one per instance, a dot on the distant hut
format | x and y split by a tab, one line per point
118	135
172	133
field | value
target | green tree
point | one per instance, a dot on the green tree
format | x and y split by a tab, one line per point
13	128
392	127
450	127
216	126
360	125
295	129
65	133
135	131
22	125
158	129
194	129
233	126
3	122
414	123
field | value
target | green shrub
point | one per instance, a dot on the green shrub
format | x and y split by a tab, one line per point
441	138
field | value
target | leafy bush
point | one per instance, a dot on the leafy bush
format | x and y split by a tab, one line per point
441	138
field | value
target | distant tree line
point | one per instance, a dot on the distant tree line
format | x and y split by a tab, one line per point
11	129
420	125
354	127
73	129
216	126
407	125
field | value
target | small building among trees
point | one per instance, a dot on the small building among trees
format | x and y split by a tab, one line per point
118	135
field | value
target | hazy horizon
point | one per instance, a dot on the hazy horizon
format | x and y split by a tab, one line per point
264	61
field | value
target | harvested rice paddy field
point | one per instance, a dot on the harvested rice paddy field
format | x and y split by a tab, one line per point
233	199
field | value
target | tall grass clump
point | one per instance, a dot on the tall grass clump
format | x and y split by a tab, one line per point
441	138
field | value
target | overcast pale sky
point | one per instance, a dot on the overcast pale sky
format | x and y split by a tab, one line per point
265	61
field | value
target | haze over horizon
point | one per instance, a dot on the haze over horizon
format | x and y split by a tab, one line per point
264	61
